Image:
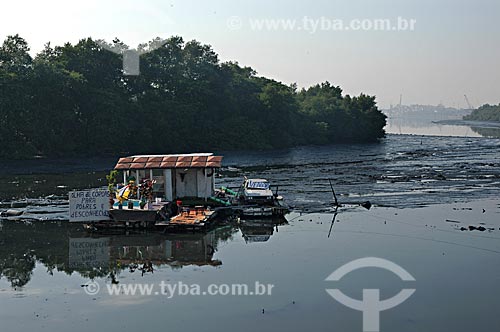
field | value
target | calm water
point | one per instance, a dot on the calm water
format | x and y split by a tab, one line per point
457	273
439	124
425	189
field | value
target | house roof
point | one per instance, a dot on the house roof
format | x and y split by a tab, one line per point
193	160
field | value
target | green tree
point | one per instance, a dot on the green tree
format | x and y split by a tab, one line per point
485	113
15	97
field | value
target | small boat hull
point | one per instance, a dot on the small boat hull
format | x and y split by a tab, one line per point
254	211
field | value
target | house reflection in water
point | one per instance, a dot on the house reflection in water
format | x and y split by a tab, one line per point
123	251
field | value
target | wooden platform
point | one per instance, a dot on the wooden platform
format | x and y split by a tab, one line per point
194	219
191	217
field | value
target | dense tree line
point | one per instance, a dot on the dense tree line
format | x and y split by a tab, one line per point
485	113
75	100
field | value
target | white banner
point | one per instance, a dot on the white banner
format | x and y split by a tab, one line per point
88	205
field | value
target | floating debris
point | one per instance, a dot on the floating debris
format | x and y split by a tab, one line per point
474	228
367	205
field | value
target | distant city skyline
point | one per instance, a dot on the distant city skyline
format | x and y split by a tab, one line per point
453	49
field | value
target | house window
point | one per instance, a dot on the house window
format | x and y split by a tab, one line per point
159	186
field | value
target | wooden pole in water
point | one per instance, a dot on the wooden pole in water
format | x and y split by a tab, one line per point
333	191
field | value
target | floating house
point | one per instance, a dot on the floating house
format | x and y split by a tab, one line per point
175	176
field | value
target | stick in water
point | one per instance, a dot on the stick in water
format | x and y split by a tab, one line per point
333	191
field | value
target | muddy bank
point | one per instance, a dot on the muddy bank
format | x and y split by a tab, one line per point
402	171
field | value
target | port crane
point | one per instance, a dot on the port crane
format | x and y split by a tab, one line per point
468	103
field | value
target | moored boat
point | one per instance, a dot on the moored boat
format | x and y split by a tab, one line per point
254	199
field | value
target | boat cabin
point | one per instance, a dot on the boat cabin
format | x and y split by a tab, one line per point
256	191
175	176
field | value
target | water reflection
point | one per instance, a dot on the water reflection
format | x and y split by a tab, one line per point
487	132
260	230
439	124
108	255
411	126
66	247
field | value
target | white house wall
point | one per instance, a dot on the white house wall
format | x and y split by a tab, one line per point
195	184
188	187
205	183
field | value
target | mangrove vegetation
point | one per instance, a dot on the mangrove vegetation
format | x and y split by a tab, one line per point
74	100
485	113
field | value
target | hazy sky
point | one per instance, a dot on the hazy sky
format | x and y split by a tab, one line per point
454	49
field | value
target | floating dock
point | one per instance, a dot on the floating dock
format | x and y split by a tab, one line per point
192	219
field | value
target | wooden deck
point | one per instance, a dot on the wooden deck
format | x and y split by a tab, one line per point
193	219
196	218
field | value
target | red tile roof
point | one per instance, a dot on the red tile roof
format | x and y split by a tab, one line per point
205	160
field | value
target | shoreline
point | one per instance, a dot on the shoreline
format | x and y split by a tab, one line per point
471	123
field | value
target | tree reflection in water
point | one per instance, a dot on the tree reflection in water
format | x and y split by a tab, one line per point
487	132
